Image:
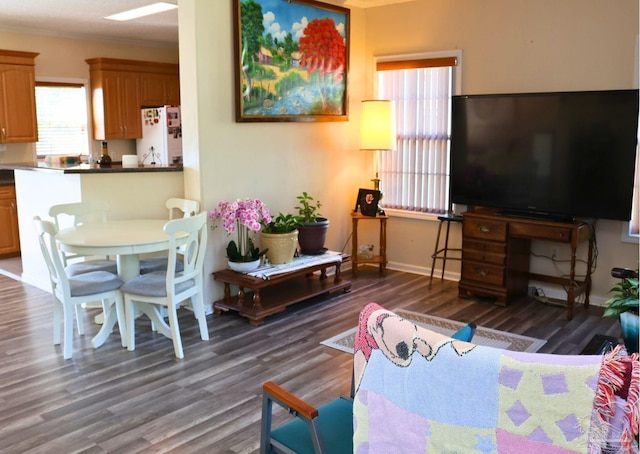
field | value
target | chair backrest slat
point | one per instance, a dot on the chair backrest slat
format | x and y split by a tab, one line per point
187	207
192	251
47	232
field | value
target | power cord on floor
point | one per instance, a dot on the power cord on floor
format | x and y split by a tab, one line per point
538	294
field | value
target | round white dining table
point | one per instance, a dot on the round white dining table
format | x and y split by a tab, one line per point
126	239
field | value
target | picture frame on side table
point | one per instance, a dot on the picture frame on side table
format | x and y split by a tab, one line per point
367	202
291	60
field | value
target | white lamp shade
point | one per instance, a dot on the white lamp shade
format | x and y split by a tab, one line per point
378	125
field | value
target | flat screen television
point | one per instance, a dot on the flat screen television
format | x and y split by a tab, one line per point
558	155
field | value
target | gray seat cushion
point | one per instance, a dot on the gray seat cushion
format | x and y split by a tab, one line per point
153	264
153	284
94	282
73	269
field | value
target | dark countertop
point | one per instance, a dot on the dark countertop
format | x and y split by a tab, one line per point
84	168
6	177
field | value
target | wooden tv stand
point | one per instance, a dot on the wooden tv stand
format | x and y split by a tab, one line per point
273	295
496	250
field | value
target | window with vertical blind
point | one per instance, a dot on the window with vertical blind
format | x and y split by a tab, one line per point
61	110
415	176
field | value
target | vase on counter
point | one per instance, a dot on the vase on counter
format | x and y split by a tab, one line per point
105	159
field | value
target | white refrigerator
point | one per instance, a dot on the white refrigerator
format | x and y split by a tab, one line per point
161	143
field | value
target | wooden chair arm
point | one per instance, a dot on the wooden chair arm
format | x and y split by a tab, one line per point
293	403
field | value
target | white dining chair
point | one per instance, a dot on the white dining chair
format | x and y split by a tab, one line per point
81	213
177	208
69	292
149	293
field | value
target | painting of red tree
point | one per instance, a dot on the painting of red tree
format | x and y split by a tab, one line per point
323	50
292	60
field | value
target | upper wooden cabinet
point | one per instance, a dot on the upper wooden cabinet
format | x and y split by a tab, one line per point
159	89
120	88
17	97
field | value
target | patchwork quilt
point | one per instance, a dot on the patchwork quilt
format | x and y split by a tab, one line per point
418	391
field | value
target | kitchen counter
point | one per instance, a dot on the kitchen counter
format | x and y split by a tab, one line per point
6	177
132	193
85	168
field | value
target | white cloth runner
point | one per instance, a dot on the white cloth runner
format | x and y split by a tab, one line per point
267	271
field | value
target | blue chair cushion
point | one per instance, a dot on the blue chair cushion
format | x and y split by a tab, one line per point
152	264
73	269
153	284
336	426
465	333
93	282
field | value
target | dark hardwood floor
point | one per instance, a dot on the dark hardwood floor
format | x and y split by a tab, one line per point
112	400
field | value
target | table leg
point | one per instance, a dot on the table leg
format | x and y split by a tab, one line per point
107	326
337	277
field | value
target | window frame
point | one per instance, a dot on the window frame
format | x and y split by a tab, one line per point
456	90
72	82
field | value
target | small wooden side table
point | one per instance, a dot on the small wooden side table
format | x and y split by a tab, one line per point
380	259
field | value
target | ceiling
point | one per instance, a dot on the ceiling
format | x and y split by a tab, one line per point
84	19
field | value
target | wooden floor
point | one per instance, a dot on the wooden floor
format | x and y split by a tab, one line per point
112	400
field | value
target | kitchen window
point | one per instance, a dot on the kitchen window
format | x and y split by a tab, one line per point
61	109
415	176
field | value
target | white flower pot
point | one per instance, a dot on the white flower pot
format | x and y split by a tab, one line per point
243	267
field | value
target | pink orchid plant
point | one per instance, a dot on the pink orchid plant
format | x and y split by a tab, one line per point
242	215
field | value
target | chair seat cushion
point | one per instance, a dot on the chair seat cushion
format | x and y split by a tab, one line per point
93	283
154	285
73	269
152	264
336	426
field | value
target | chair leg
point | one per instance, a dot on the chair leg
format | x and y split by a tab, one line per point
130	330
67	345
175	331
79	322
446	250
435	253
122	321
57	320
198	309
265	424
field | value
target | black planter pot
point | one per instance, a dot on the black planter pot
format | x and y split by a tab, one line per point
312	235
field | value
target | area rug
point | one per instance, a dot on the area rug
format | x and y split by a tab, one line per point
484	336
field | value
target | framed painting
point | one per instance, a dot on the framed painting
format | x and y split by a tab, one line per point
367	202
291	60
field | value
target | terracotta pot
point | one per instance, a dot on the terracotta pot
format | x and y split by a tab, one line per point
281	246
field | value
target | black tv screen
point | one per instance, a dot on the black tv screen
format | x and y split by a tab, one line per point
566	155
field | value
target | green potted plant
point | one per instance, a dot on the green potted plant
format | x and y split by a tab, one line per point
311	225
624	303
280	238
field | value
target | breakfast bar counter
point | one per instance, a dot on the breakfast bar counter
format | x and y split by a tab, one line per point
132	193
87	168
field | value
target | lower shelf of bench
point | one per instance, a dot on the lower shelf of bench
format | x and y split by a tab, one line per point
258	304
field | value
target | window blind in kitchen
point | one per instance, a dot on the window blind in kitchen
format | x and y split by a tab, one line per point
61	110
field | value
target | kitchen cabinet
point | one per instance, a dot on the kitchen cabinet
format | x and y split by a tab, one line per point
119	89
159	89
17	97
9	237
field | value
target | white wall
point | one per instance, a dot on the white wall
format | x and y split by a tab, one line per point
271	161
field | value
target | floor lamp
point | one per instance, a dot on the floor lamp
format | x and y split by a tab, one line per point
378	130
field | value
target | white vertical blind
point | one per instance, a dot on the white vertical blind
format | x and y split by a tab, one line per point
415	177
61	110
